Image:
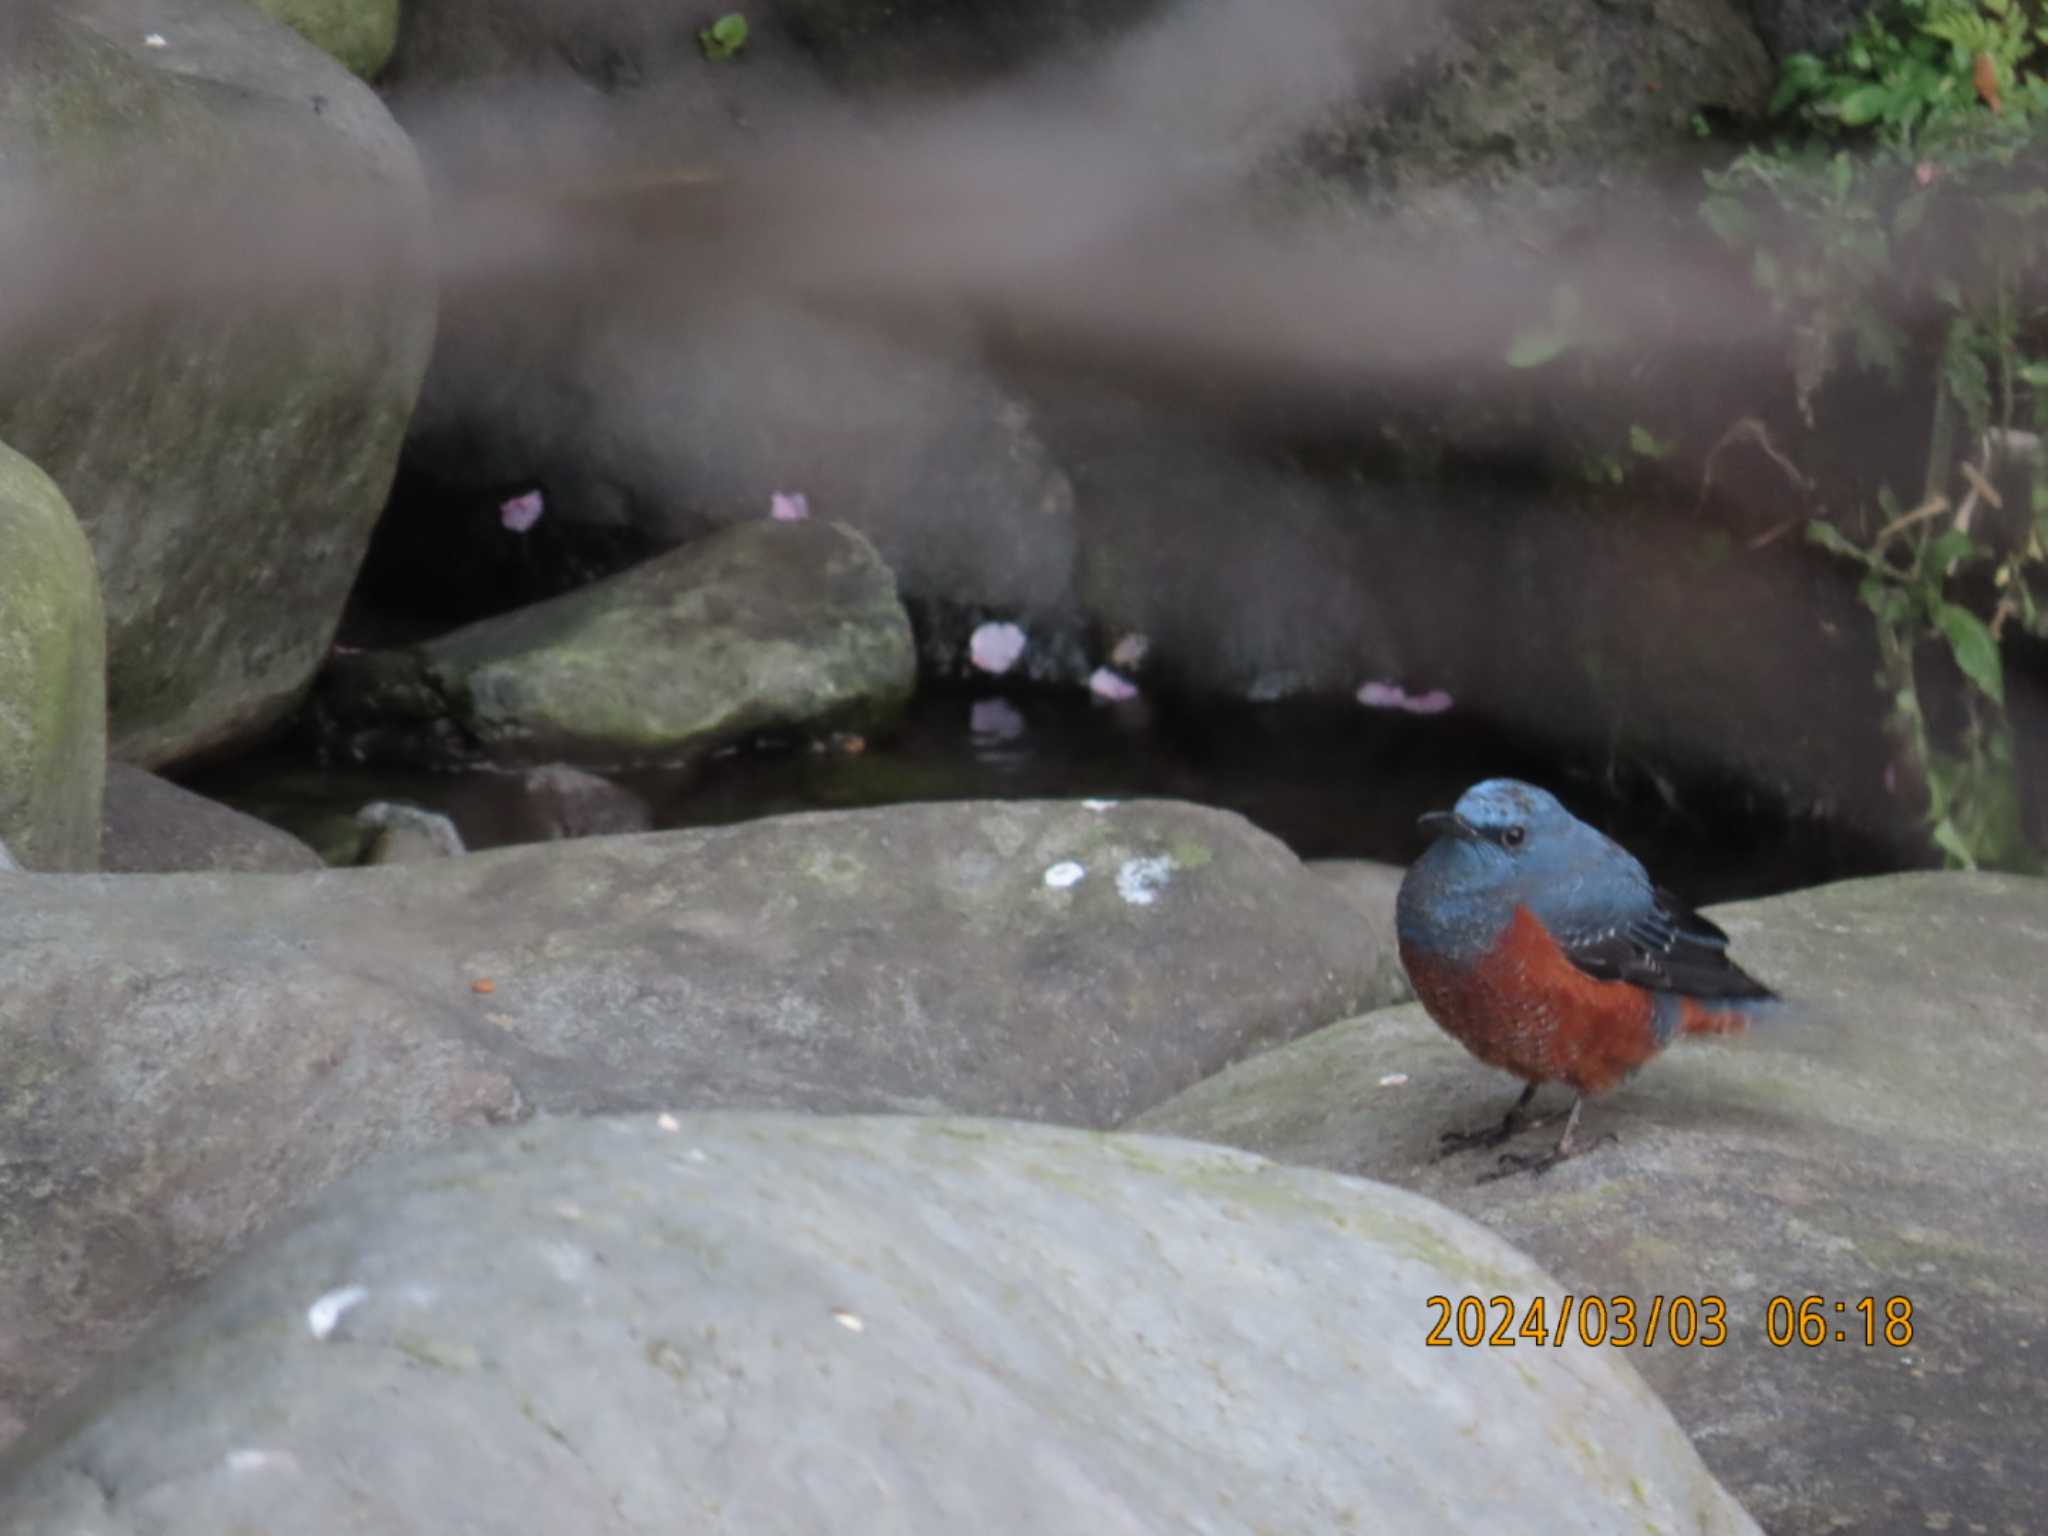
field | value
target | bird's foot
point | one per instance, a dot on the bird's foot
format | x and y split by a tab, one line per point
1513	1123
1451	1142
1512	1163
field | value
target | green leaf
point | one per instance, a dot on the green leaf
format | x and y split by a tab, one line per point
1976	653
1861	106
1728	219
1831	538
1644	442
725	37
1945	552
1536	346
2035	374
1950	842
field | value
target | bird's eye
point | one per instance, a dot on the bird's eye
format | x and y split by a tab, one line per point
1514	837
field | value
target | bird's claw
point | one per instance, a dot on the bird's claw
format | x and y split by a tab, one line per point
1464	1141
1512	1163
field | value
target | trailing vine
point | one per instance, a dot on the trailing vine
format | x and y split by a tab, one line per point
1902	232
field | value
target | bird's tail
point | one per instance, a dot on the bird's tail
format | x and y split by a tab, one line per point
1719	1017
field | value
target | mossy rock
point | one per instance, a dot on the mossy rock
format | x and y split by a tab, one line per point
227	436
360	33
53	710
764	628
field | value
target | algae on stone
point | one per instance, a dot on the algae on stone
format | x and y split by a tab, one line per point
53	719
226	433
766	626
360	33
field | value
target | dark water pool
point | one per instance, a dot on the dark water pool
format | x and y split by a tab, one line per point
1331	780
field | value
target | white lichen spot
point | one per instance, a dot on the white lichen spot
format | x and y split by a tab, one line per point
156	40
668	1122
1064	874
1393	1079
245	1461
324	1314
1099	805
1140	881
850	1321
569	1262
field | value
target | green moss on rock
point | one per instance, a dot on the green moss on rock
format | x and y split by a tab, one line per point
360	33
53	720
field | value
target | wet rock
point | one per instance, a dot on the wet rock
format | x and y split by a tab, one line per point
1887	1137
780	1325
767	627
186	1057
567	802
223	407
407	834
53	733
152	826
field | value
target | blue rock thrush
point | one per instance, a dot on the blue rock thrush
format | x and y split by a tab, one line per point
1541	946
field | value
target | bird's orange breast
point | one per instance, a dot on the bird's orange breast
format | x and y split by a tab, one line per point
1524	1007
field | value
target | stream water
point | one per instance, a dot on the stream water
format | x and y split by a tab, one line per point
1330	780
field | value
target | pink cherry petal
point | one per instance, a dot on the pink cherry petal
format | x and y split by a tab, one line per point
1112	686
994	648
522	512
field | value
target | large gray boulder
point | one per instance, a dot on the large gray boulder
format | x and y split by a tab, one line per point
152	826
1888	1136
789	1327
219	311
184	1057
765	627
53	653
359	33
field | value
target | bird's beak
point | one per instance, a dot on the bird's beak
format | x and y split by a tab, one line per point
1447	823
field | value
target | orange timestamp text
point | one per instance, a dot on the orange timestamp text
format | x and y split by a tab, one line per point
1683	1321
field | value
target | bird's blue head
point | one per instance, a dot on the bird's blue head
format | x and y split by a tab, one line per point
1508	844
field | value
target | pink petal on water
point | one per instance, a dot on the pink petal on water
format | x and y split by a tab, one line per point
1434	702
995	647
522	512
789	506
1381	696
1113	686
996	718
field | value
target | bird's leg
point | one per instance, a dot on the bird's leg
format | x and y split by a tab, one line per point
1516	1162
1489	1135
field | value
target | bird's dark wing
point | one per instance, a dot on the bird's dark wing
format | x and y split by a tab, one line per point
1669	948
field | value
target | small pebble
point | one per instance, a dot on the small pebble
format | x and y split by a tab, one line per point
1064	874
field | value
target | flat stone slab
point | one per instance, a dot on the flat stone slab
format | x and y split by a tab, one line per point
1887	1137
787	1326
184	1057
